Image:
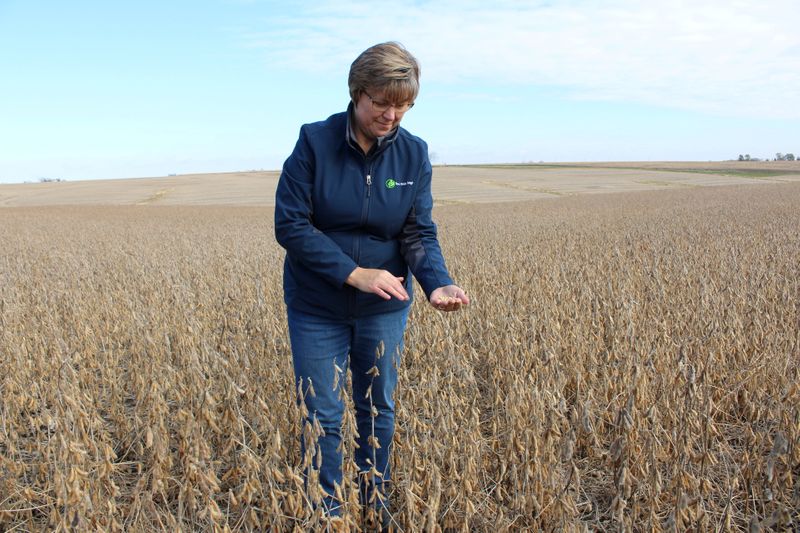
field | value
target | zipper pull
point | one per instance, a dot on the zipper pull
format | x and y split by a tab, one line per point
369	185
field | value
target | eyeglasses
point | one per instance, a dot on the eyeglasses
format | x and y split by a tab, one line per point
382	107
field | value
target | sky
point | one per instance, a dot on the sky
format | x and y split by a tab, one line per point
99	89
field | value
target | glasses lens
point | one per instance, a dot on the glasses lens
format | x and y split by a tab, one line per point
382	107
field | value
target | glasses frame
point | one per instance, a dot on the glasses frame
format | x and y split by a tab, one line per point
383	107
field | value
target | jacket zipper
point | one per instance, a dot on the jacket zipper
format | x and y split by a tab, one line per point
364	217
368	181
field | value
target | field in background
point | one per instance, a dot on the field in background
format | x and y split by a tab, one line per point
630	360
451	184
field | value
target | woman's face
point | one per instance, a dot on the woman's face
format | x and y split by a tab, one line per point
371	122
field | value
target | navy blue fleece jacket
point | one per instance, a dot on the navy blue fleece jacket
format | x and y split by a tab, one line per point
337	208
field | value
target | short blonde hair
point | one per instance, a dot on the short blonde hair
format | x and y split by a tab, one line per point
388	67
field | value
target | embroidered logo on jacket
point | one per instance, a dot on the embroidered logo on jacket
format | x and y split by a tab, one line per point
391	184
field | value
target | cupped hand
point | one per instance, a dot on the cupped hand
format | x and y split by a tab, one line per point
449	298
377	281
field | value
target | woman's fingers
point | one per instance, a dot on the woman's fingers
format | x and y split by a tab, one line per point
388	291
395	287
449	298
448	303
380	282
462	296
387	286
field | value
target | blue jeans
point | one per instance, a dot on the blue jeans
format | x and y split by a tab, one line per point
319	346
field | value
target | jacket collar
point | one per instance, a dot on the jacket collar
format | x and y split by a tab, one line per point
383	142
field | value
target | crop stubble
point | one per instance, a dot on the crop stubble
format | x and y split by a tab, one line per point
629	361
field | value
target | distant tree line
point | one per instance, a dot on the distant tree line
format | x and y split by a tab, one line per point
778	157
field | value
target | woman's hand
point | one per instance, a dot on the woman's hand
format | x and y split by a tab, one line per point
449	298
380	282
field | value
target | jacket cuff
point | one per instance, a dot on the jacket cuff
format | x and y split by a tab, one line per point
343	272
430	285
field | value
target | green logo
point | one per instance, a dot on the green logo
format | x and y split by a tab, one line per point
390	183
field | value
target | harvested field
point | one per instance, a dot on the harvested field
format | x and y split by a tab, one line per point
630	361
451	184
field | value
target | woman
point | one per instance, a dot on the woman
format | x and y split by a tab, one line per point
353	211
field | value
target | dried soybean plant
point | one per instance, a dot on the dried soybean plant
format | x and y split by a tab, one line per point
630	362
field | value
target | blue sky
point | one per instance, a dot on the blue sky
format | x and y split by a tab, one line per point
98	89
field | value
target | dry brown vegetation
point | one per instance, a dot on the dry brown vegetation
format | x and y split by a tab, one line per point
630	362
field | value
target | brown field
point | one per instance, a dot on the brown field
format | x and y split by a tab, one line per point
631	361
451	184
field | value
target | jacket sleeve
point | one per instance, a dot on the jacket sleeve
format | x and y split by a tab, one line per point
294	228
418	241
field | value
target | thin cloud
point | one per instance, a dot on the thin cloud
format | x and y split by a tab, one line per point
729	58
